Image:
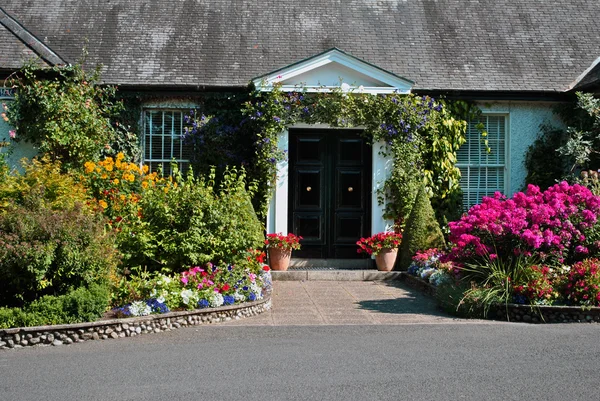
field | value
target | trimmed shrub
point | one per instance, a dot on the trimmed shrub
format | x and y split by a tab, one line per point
80	305
192	222
86	304
421	232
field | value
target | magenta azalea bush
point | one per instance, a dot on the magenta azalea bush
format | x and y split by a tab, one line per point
559	226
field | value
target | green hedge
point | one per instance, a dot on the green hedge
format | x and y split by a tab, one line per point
422	231
191	223
80	305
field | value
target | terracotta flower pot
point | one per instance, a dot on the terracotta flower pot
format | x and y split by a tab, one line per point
385	259
279	259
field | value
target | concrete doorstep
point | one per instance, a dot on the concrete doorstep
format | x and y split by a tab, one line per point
335	275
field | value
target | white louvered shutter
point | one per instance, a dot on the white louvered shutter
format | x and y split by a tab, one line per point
483	173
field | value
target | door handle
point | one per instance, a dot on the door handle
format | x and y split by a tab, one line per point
350	189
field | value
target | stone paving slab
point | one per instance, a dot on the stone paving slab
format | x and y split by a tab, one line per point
347	303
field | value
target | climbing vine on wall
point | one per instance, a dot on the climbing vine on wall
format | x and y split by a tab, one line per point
420	134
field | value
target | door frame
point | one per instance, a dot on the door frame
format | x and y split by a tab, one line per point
277	217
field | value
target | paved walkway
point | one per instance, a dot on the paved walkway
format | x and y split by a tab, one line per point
346	303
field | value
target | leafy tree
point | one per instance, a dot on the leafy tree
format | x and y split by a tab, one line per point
544	165
584	137
560	154
63	111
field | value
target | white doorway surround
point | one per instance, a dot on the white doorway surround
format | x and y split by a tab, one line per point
324	72
277	218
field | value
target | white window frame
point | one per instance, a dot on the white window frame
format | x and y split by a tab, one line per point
475	162
147	144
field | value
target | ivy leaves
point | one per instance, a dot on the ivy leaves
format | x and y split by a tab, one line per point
419	133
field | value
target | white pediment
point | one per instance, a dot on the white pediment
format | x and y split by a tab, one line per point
334	69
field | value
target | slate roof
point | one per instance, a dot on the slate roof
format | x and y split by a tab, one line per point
589	79
497	45
13	52
18	46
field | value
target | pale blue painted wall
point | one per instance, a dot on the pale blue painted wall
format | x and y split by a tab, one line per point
16	151
524	120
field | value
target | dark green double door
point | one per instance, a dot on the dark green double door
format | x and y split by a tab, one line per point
330	191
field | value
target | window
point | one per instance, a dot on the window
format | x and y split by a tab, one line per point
5	128
163	140
483	172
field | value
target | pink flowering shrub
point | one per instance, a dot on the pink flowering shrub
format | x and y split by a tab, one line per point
559	225
582	285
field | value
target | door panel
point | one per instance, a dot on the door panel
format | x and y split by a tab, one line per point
350	151
329	191
309	192
309	226
349	227
350	189
310	149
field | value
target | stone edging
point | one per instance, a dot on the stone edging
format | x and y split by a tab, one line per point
19	337
417	283
523	313
547	314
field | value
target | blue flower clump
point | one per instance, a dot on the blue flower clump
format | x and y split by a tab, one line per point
123	311
203	303
413	268
228	300
252	297
157	307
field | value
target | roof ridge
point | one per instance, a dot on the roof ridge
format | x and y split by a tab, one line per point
42	50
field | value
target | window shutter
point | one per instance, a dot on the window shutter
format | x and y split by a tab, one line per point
483	172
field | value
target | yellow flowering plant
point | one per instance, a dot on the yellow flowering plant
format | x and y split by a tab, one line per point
117	186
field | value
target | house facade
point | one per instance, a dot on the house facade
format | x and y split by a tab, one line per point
516	59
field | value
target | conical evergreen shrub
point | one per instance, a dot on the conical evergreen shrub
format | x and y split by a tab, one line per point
422	231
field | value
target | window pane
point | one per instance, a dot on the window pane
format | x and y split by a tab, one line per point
163	140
